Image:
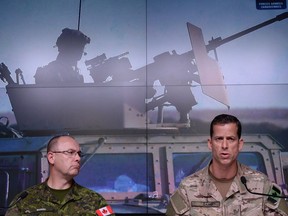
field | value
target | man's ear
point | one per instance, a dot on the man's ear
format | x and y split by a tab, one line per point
50	157
241	143
209	142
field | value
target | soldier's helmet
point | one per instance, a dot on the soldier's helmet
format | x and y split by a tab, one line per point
71	38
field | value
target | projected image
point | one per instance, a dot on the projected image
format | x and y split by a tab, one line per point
118	173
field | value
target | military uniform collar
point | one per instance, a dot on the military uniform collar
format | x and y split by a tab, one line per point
72	194
208	187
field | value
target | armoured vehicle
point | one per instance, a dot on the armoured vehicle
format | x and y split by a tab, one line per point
133	157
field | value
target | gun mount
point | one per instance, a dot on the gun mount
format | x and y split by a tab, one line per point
117	68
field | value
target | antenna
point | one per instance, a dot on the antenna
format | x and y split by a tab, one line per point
79	15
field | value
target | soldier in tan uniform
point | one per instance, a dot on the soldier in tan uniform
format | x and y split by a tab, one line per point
60	194
217	189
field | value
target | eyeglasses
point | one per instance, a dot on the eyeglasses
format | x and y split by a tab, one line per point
70	153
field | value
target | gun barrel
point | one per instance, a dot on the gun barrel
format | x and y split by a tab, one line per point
216	43
121	55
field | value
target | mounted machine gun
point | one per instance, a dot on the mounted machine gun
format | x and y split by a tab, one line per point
175	72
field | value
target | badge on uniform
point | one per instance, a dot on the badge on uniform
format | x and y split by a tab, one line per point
104	211
275	190
273	202
205	204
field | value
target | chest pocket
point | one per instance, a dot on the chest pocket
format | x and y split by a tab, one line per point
252	206
247	205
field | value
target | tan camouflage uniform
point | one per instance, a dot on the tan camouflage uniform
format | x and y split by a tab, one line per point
40	201
198	195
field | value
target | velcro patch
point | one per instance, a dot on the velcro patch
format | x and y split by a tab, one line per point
205	204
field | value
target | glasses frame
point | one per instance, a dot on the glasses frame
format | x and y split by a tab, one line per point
70	153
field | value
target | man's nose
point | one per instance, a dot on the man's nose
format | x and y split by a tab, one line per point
224	144
77	157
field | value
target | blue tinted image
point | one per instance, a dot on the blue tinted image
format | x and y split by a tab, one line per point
118	173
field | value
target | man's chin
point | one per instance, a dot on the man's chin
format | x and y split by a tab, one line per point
74	173
227	162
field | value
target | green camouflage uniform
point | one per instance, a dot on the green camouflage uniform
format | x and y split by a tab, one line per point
40	201
198	195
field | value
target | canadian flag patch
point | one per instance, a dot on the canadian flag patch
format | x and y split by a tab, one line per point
104	211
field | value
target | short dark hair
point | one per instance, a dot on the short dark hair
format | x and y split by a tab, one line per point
226	119
53	141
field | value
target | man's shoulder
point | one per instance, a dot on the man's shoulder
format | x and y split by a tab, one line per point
36	188
255	179
252	173
85	195
32	194
196	177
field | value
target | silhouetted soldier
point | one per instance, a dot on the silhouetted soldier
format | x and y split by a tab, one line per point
64	69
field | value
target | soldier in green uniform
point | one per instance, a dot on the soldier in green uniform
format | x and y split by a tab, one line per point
217	189
60	194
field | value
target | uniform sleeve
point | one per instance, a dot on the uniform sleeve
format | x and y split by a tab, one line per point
13	211
178	204
283	208
103	205
170	210
275	206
